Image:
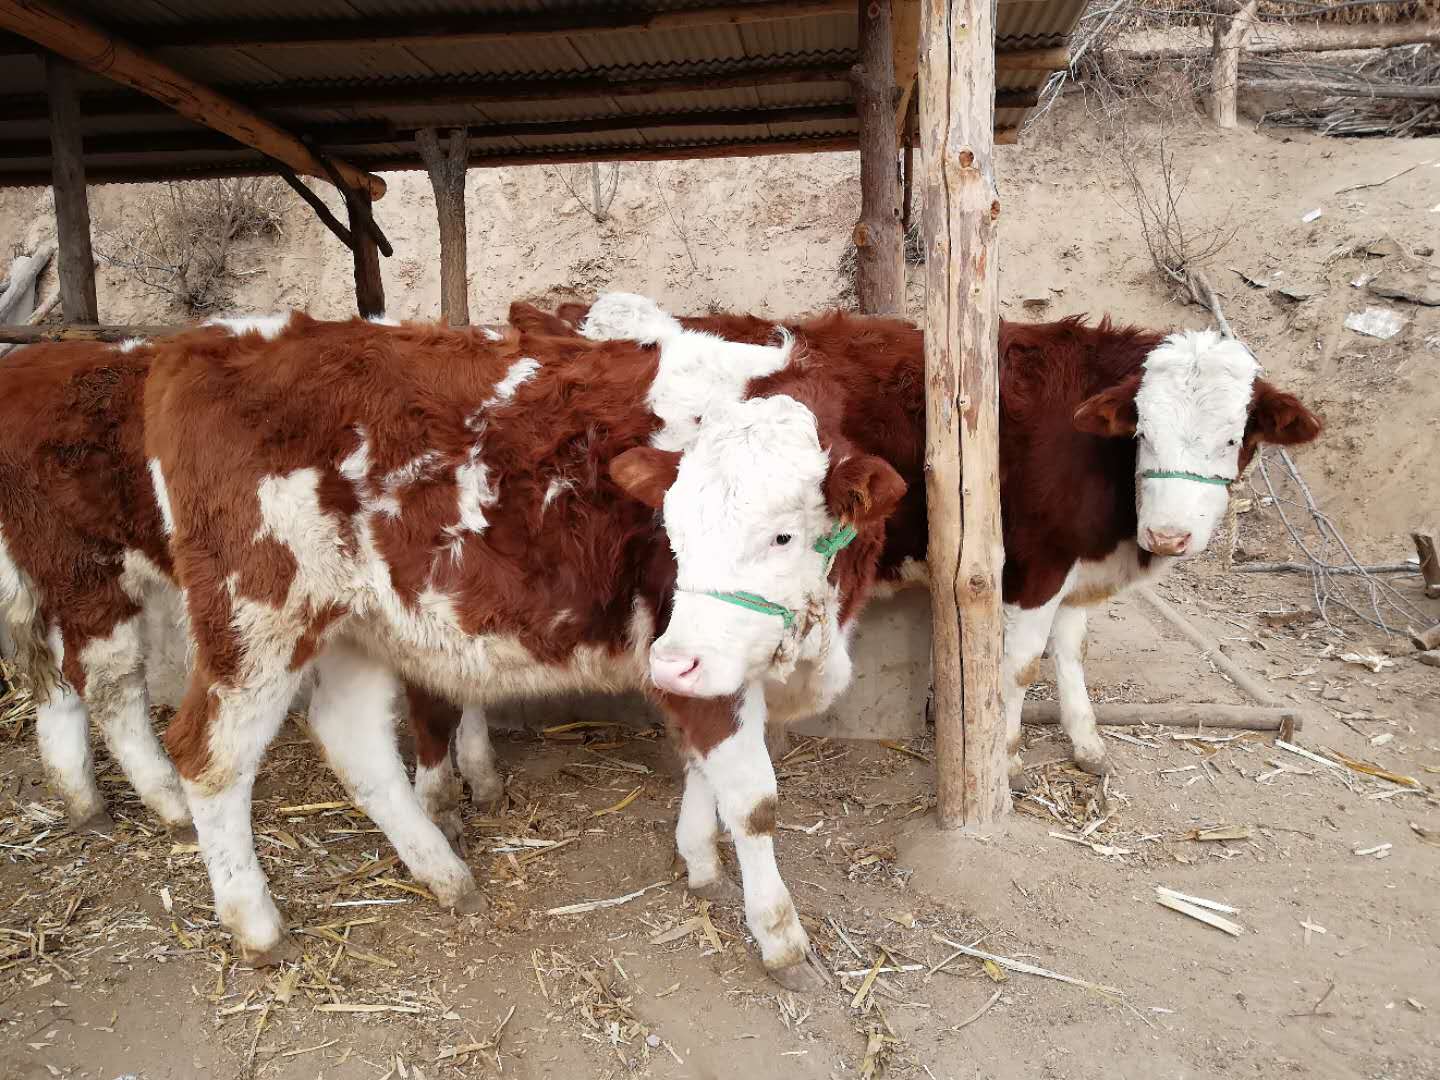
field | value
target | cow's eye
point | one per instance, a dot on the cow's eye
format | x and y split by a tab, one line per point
782	539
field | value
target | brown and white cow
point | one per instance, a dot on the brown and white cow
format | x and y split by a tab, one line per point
480	517
1117	449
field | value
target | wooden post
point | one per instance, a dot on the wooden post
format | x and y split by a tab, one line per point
447	180
880	254
72	204
907	194
1426	548
1230	37
369	288
962	488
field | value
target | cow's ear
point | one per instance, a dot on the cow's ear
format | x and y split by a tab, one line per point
529	319
1111	414
1278	417
645	473
864	489
573	313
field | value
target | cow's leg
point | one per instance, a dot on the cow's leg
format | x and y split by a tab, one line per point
1077	716
1026	631
737	769
433	722
350	714
118	703
476	757
697	840
217	740
63	729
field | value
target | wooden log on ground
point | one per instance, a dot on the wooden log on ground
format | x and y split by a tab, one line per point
1208	645
1177	714
17	298
72	203
961	206
1395	91
1269	38
33	335
1310	568
447	179
93	48
1429	552
1426	639
1231	34
879	245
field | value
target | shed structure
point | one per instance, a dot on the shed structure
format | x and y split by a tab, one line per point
340	90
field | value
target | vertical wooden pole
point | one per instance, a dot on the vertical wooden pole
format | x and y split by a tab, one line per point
369	287
880	256
907	194
1230	37
72	205
447	180
962	488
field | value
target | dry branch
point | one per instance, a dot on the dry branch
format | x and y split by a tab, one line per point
1178	714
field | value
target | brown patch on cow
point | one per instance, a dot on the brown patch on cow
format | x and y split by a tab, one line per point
761	821
314	635
187	739
433	721
1090	595
1028	674
700	724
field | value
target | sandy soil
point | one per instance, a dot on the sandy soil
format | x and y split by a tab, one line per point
111	962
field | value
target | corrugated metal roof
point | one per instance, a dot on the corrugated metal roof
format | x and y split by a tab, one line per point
364	73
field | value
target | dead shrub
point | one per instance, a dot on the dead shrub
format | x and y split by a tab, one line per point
180	236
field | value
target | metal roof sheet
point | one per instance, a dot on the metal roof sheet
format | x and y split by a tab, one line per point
394	87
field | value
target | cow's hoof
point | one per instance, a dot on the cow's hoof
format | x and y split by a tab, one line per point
1096	763
722	890
452	826
470	903
184	834
1020	782
99	823
803	977
283	951
487	791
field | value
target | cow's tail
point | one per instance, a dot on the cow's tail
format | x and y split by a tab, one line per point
22	631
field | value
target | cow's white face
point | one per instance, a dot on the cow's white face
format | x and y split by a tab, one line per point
1191	411
744	509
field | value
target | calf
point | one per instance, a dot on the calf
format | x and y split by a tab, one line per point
1117	449
480	516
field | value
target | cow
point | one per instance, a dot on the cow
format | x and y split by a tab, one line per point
484	518
1117	450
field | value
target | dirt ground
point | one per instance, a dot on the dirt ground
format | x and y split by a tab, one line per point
111	963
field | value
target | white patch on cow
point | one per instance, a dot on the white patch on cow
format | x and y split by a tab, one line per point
130	344
492	335
268	327
474	496
697	833
381	320
560	618
475	757
162	496
627	317
356	465
743	515
290	512
1077	716
697	371
116	700
351	715
1193	403
62	729
520	372
553	490
416	469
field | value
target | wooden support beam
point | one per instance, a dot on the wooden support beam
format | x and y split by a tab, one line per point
188	139
33	335
72	203
905	49
369	286
462	28
329	220
93	48
962	489
879	245
1051	59
1231	35
447	179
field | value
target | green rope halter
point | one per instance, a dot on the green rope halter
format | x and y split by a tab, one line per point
829	545
1166	474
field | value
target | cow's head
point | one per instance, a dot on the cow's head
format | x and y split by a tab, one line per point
756	511
1198	412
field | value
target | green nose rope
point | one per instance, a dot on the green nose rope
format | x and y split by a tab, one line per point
829	545
1166	474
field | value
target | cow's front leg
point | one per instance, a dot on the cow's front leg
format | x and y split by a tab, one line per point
475	755
1077	715
432	723
730	756
697	839
1026	630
